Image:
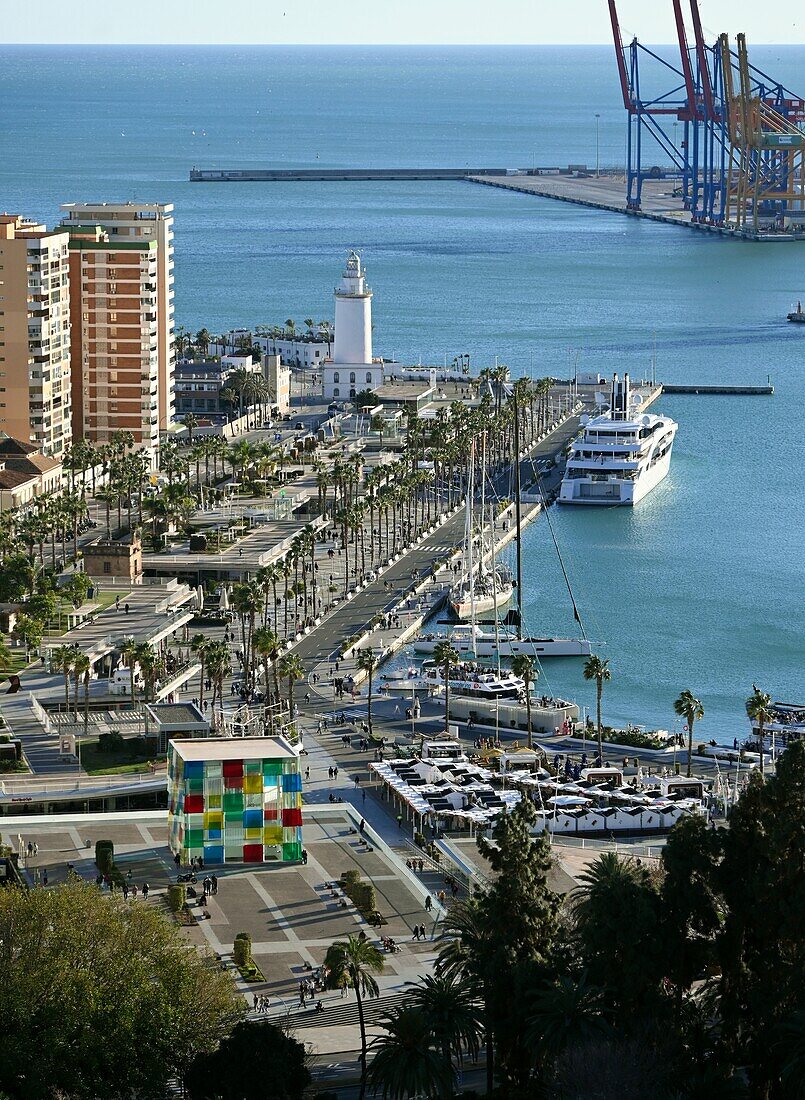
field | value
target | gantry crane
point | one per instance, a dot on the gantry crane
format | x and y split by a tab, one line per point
767	148
740	156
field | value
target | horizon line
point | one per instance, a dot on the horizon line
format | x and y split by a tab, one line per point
392	45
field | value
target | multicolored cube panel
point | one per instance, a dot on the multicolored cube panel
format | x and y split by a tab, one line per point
235	800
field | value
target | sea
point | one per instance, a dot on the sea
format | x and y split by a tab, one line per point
701	585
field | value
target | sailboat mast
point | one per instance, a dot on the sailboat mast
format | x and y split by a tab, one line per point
482	556
470	563
518	515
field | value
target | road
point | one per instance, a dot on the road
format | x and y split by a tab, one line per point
350	618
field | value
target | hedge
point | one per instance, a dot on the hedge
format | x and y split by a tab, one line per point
104	856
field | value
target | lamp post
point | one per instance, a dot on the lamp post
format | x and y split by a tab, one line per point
597	159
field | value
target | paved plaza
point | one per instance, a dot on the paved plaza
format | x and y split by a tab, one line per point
289	911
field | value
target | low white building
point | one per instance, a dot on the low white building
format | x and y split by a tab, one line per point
304	352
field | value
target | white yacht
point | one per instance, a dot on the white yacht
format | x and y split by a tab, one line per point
472	679
465	679
621	455
475	641
484	592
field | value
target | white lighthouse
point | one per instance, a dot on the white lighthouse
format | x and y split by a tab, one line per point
352	369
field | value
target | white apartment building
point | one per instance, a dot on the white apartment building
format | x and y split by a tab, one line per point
34	334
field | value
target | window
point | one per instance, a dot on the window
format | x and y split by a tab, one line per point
107	567
368	376
336	392
352	392
336	377
352	376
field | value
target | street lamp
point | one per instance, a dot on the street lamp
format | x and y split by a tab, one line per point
597	159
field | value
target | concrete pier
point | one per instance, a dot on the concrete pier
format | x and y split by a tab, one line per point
729	391
660	202
307	175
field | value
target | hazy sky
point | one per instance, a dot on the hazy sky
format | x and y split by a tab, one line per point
382	21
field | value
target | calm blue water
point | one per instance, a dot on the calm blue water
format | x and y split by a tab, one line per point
701	585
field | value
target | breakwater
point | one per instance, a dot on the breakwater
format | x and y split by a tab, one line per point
730	391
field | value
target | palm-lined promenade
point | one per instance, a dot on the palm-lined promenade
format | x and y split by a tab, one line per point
278	574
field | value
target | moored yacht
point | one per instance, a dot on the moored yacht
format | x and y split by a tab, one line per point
479	642
621	455
484	592
468	678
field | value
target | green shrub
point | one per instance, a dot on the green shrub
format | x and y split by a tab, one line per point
419	840
364	897
104	856
349	879
177	896
112	741
242	950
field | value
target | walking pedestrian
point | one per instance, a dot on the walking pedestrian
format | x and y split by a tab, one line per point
214	882
146	888
44	876
428	903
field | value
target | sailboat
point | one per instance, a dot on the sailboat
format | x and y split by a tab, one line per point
506	640
481	588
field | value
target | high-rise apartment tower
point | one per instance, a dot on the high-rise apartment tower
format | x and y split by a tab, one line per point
121	280
34	334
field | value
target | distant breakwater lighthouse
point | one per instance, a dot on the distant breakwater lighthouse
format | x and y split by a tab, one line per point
352	368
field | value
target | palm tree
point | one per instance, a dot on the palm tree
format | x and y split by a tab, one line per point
687	706
151	665
352	964
203	341
452	1010
63	658
266	643
291	669
128	652
446	657
523	666
571	1011
219	666
367	661
83	669
598	670
463	958
190	421
406	1062
247	601
760	710
200	644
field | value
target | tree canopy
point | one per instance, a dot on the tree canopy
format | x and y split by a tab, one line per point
100	997
258	1061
